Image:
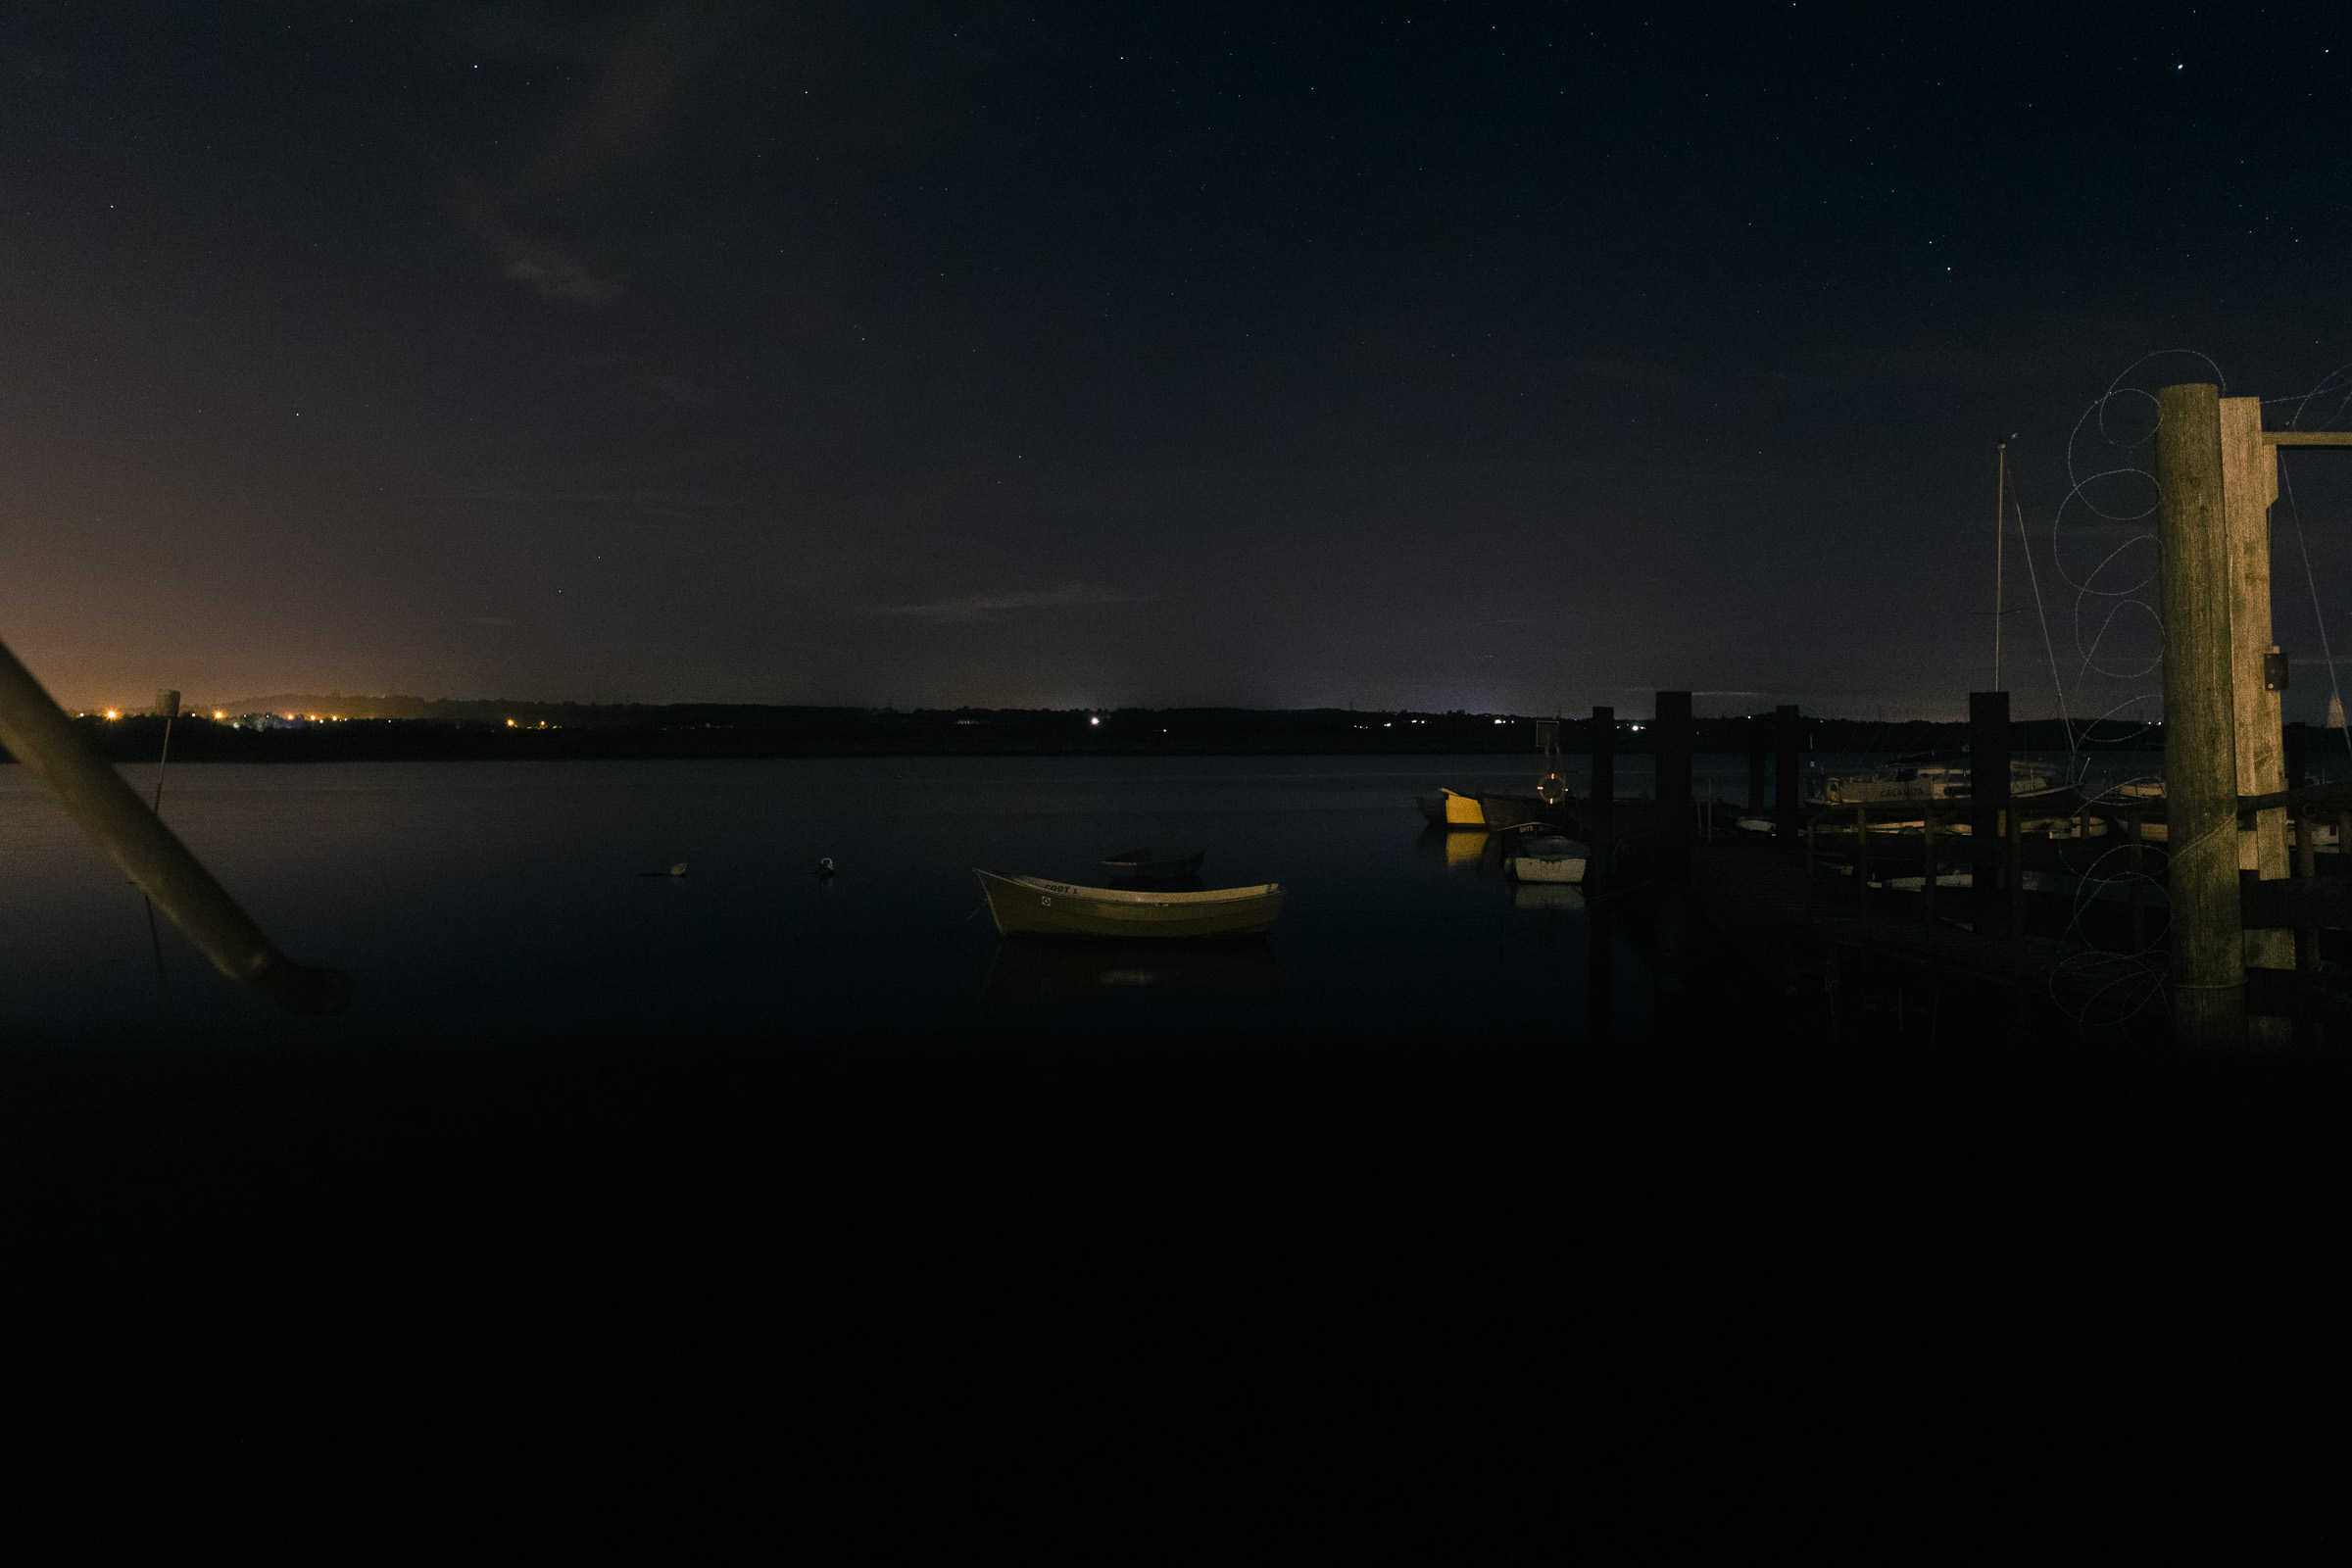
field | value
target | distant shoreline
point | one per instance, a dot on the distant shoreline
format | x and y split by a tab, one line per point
670	734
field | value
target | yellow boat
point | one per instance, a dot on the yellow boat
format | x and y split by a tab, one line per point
1447	808
1030	905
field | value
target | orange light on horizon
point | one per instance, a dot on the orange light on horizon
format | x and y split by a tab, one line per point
111	714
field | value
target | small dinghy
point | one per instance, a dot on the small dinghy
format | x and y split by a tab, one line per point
1030	905
1154	865
1550	858
1450	808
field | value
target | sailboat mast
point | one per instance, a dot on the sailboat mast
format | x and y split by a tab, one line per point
2000	537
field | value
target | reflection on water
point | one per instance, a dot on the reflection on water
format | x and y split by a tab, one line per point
1028	970
1465	850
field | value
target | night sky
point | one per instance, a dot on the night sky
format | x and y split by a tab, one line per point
1434	355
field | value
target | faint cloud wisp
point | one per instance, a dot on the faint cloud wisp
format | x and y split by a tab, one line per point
980	607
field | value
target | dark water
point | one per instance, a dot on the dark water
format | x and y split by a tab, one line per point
507	901
666	1218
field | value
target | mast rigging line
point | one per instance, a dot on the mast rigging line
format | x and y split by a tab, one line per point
2311	579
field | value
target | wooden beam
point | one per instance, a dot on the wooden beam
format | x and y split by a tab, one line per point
2303	438
2260	732
2316	799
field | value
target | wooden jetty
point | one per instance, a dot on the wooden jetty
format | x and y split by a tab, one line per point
2241	888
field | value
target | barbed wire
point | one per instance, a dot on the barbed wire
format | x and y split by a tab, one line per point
2105	494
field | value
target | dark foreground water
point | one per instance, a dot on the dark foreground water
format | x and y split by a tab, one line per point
690	1221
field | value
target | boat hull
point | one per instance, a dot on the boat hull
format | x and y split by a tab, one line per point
1527	868
1522	810
1028	905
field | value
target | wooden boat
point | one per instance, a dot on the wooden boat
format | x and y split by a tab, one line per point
1450	808
1030	905
1906	781
1550	858
1505	810
1154	865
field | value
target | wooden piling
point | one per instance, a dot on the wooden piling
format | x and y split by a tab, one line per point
1672	834
1605	788
2200	741
1756	739
1670	851
1788	807
1988	793
1927	864
2307	938
2139	885
2013	871
1862	859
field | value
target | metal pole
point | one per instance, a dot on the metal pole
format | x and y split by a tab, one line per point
2000	539
41	736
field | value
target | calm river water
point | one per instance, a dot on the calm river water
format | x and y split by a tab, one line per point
510	900
1386	1203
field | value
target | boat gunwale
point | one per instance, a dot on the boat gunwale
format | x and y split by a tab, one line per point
1132	896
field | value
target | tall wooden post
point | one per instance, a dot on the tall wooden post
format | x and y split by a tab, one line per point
1756	743
1670	845
1788	732
1605	788
1989	797
1670	837
2200	728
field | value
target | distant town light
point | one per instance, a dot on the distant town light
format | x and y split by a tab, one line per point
510	723
219	713
1094	721
111	713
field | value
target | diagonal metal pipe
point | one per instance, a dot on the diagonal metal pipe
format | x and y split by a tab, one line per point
41	738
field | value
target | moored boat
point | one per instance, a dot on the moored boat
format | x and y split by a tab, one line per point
1506	811
1900	782
1450	808
1030	905
1550	858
